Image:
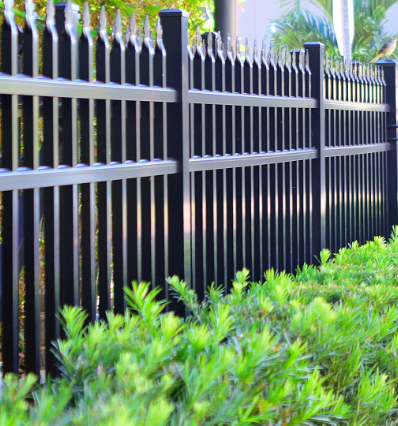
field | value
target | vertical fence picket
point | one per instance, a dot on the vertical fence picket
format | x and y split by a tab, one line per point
118	154
103	156
86	109
31	205
69	194
146	148
10	155
50	148
132	61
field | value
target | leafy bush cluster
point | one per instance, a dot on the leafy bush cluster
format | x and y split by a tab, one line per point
316	349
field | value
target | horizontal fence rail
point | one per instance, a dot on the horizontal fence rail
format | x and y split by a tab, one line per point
137	157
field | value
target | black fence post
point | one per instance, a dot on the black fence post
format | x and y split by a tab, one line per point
318	194
390	69
175	39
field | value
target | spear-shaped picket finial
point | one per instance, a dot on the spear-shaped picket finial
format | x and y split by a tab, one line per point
159	31
255	49
147	27
152	38
342	66
8	5
327	62
117	25
271	54
198	37
228	43
68	14
287	56
237	47
86	16
219	43
50	12
29	10
294	56
263	50
280	54
210	41
133	25
102	20
247	49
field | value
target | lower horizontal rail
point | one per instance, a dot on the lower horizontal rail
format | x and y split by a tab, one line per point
340	151
44	177
218	162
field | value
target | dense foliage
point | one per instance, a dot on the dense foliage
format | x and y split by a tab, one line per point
298	26
199	10
319	348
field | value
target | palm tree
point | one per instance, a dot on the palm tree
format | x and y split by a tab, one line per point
298	26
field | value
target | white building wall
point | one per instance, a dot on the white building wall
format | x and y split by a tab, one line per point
255	20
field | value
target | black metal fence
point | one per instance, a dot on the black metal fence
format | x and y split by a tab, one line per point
161	157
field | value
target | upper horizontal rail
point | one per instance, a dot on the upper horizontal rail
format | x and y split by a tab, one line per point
355	106
218	162
79	89
339	151
44	177
236	99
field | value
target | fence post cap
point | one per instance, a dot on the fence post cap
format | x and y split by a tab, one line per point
314	44
62	6
174	12
387	63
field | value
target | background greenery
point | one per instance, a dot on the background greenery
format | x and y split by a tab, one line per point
298	26
201	11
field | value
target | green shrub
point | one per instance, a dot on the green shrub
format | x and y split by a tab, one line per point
319	348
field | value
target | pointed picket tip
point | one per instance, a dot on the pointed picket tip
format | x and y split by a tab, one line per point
198	37
127	35
86	16
50	12
228	43
287	56
280	54
102	20
29	9
117	26
219	42
159	31
247	49
255	49
210	41
237	47
8	5
133	25
68	14
147	27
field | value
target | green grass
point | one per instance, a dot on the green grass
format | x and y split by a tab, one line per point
318	348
